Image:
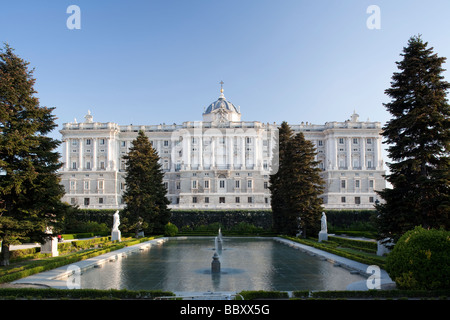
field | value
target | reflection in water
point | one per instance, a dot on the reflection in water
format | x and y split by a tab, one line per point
246	264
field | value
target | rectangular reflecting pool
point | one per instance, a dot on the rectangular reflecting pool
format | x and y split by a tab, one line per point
246	264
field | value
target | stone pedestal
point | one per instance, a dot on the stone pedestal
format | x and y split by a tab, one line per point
215	264
116	235
50	246
323	236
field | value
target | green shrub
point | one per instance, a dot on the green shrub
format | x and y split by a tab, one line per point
252	295
420	260
170	230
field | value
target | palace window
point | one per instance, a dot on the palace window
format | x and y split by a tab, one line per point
221	199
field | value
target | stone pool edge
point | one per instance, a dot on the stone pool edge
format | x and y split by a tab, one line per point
340	261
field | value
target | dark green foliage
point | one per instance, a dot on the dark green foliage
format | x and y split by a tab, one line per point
30	189
261	294
170	230
360	220
227	219
420	260
418	136
145	194
296	187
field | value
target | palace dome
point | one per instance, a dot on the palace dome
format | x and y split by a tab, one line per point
221	103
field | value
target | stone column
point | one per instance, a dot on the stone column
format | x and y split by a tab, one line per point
230	152
109	153
213	152
349	154
333	153
243	153
377	153
200	152
185	151
363	153
189	147
94	154
80	154
66	159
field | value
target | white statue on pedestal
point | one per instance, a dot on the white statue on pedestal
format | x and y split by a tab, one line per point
115	233
323	234
323	223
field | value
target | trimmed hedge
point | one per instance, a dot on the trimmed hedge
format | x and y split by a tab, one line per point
253	295
368	246
50	293
421	260
353	256
227	219
380	294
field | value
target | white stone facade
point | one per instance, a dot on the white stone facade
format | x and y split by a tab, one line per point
220	162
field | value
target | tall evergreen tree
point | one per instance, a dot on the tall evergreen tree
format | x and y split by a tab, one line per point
419	142
30	190
145	195
305	186
297	185
277	186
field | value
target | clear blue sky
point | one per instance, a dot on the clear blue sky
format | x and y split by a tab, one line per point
151	62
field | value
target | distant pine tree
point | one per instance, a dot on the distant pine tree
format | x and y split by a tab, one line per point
419	143
296	187
145	195
30	190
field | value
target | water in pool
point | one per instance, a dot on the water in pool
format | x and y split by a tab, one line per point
246	264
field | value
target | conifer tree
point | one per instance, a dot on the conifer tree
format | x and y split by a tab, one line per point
305	186
277	186
30	190
419	143
296	187
145	195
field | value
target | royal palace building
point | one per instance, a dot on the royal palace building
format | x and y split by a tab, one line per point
220	162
